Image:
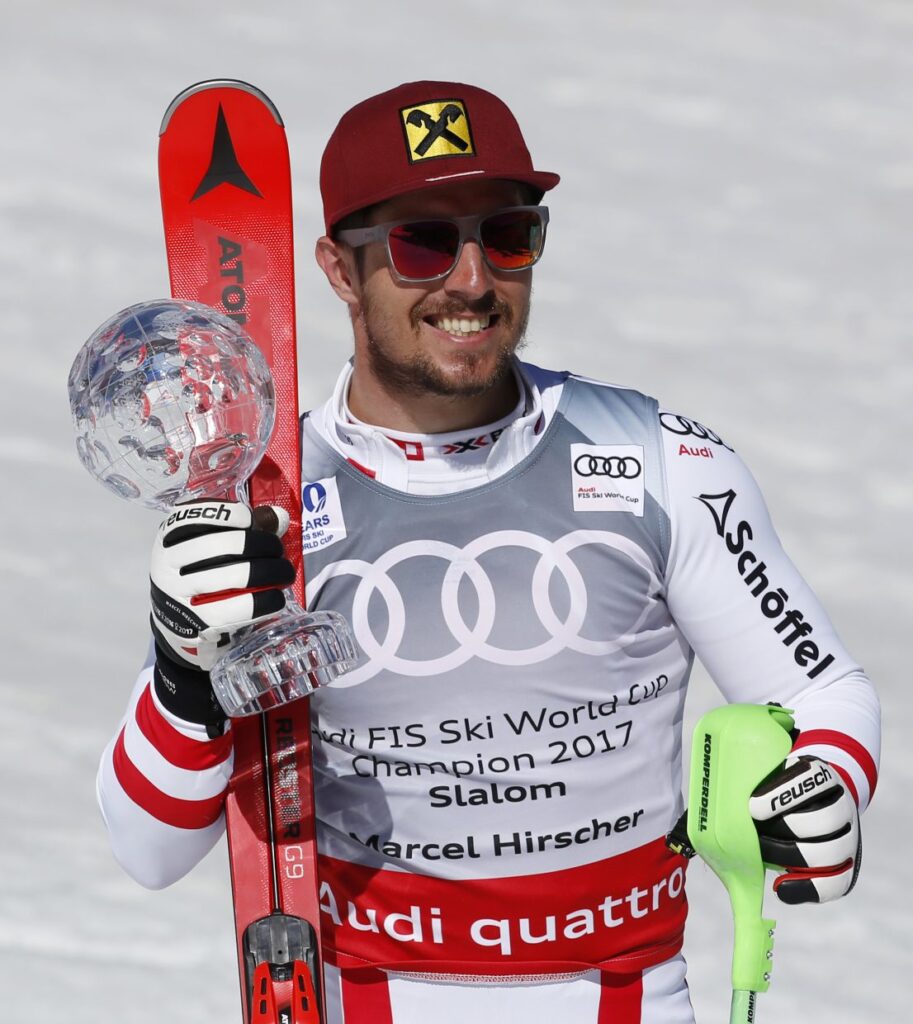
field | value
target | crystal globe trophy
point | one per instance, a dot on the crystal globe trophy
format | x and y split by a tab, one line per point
173	402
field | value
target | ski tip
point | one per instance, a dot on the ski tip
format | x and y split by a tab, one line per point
219	83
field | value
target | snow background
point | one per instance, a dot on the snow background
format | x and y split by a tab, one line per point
733	233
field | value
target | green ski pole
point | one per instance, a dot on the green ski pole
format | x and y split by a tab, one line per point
734	749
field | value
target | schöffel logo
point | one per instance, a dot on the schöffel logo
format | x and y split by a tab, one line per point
616	467
437	128
787	622
314	497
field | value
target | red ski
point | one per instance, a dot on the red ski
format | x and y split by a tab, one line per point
227	207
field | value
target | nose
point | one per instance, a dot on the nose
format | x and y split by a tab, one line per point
471	277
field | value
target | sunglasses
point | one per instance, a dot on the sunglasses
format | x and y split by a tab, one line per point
510	239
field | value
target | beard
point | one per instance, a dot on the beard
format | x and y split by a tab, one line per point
467	374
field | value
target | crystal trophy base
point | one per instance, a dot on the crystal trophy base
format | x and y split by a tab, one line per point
280	660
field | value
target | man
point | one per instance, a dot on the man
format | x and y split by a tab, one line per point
530	561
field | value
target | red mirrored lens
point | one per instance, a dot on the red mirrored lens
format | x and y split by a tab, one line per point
512	240
424	248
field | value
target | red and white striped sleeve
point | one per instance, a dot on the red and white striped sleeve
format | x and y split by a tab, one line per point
842	727
161	788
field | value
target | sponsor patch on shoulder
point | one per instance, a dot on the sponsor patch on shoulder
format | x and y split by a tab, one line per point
608	478
322	522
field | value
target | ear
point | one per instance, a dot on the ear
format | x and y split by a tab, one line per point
336	261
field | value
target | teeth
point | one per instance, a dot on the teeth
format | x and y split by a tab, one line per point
459	325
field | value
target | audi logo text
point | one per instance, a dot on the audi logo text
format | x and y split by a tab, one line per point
684	427
617	467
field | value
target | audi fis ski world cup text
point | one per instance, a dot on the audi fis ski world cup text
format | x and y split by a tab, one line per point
566	737
607	478
601	738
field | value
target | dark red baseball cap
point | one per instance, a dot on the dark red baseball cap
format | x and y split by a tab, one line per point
421	135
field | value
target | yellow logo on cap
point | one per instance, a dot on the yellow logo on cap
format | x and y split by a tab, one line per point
438	128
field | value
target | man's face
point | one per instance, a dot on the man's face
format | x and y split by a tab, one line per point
402	334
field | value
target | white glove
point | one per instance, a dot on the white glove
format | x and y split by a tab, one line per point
808	824
216	566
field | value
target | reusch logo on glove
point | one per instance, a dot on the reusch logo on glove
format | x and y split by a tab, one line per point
800	789
198	512
437	128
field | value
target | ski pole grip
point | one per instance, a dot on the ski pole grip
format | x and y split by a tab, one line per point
734	748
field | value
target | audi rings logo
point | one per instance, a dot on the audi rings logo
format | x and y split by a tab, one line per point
684	427
387	630
618	467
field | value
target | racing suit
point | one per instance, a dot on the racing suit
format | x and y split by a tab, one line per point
495	777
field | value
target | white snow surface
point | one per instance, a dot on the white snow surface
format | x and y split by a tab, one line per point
733	233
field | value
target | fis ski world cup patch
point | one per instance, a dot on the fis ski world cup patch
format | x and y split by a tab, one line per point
437	128
608	478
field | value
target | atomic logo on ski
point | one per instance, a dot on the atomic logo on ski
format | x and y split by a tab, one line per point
224	168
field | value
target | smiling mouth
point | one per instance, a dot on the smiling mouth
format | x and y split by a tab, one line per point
463	326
